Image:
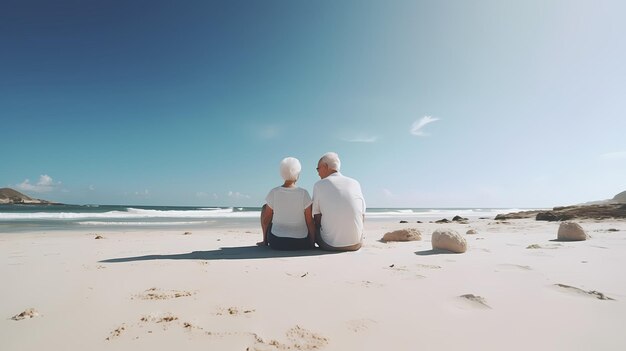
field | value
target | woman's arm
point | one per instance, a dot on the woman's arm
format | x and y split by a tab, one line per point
308	216
266	219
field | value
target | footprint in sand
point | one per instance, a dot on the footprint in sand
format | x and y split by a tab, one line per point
298	339
360	325
428	266
165	320
367	284
512	267
27	314
156	294
299	274
475	300
234	311
159	318
116	333
403	270
577	291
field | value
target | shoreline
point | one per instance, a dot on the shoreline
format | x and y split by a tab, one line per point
213	288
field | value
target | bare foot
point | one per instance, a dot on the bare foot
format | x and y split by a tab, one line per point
261	243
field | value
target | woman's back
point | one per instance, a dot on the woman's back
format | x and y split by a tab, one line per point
288	205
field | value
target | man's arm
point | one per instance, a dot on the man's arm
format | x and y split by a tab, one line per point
318	222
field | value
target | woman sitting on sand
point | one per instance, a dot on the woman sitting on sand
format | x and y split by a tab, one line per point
286	218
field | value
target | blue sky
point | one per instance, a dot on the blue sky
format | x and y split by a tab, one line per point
428	103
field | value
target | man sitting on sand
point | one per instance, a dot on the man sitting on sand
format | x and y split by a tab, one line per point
338	207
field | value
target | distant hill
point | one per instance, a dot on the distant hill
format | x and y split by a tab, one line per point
620	198
10	196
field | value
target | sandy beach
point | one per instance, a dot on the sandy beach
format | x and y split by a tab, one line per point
516	288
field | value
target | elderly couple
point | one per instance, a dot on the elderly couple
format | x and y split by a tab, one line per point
333	219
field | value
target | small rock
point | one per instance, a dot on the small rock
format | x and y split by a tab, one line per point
409	234
443	221
571	231
533	246
418	222
472	231
187	233
458	219
612	230
404	221
99	237
448	239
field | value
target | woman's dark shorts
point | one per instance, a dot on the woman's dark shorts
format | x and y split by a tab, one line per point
282	243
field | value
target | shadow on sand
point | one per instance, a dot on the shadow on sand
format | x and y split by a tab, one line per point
434	252
226	253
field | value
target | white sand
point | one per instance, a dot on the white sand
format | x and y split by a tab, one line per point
213	290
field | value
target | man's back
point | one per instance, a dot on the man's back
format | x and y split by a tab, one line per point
340	202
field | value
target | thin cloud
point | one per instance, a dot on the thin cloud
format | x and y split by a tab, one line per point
362	139
237	195
388	194
618	155
203	195
416	128
44	185
143	194
268	132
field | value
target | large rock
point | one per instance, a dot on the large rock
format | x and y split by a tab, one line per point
409	234
516	215
553	216
571	231
448	239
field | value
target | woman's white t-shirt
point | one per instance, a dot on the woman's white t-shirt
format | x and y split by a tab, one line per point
288	205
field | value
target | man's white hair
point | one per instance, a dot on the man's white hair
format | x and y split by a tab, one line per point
290	168
332	160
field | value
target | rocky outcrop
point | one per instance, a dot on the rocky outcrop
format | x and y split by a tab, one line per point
10	197
583	212
605	211
517	215
448	239
570	231
409	234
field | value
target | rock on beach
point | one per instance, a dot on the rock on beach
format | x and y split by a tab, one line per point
571	231
448	239
408	234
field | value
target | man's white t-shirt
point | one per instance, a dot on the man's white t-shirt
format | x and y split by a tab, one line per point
340	202
288	205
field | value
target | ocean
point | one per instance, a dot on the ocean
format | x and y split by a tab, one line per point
21	218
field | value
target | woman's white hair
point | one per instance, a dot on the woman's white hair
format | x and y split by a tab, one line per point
332	160
290	168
